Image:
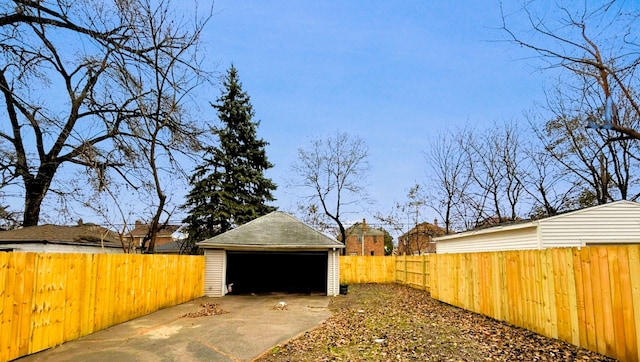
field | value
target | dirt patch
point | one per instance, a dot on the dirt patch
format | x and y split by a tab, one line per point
390	322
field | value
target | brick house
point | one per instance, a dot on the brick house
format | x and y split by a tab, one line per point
419	240
164	234
373	240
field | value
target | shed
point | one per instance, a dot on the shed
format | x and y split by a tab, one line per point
273	253
608	224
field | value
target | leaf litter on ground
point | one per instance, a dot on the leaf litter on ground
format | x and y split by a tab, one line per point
392	322
208	309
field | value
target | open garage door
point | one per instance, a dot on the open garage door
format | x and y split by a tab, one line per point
267	272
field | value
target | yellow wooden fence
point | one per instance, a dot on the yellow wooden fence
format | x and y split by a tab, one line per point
367	269
410	270
413	271
589	297
47	299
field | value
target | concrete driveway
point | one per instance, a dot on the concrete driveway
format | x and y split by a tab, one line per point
252	326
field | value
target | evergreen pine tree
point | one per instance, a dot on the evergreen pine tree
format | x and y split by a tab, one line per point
229	188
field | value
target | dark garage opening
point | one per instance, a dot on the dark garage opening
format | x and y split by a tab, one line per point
268	272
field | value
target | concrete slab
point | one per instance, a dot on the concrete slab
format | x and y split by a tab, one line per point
252	326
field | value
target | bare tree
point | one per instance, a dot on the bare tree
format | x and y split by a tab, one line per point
448	170
496	168
311	215
514	163
334	169
8	219
477	177
114	217
114	75
487	173
594	45
597	43
174	74
600	170
405	216
546	182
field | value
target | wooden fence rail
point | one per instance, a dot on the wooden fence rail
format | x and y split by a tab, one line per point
48	299
413	271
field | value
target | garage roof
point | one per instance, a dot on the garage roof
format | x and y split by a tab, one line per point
274	231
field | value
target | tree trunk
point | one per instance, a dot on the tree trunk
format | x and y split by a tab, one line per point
343	236
35	191
33	199
153	228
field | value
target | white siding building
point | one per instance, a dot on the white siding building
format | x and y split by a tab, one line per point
81	238
273	253
614	223
57	247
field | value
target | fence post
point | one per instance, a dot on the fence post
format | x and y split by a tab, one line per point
405	269
425	273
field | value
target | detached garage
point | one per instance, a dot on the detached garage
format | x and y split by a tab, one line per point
273	253
609	224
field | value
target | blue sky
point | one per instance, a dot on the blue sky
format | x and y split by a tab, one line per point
395	73
392	72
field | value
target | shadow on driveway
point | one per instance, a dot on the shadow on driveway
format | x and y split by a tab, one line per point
251	326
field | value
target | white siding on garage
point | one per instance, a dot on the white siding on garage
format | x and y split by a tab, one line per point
617	222
333	273
505	239
614	223
215	273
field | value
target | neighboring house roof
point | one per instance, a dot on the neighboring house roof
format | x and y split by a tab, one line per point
425	228
356	229
168	248
276	230
420	239
82	234
496	221
141	230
